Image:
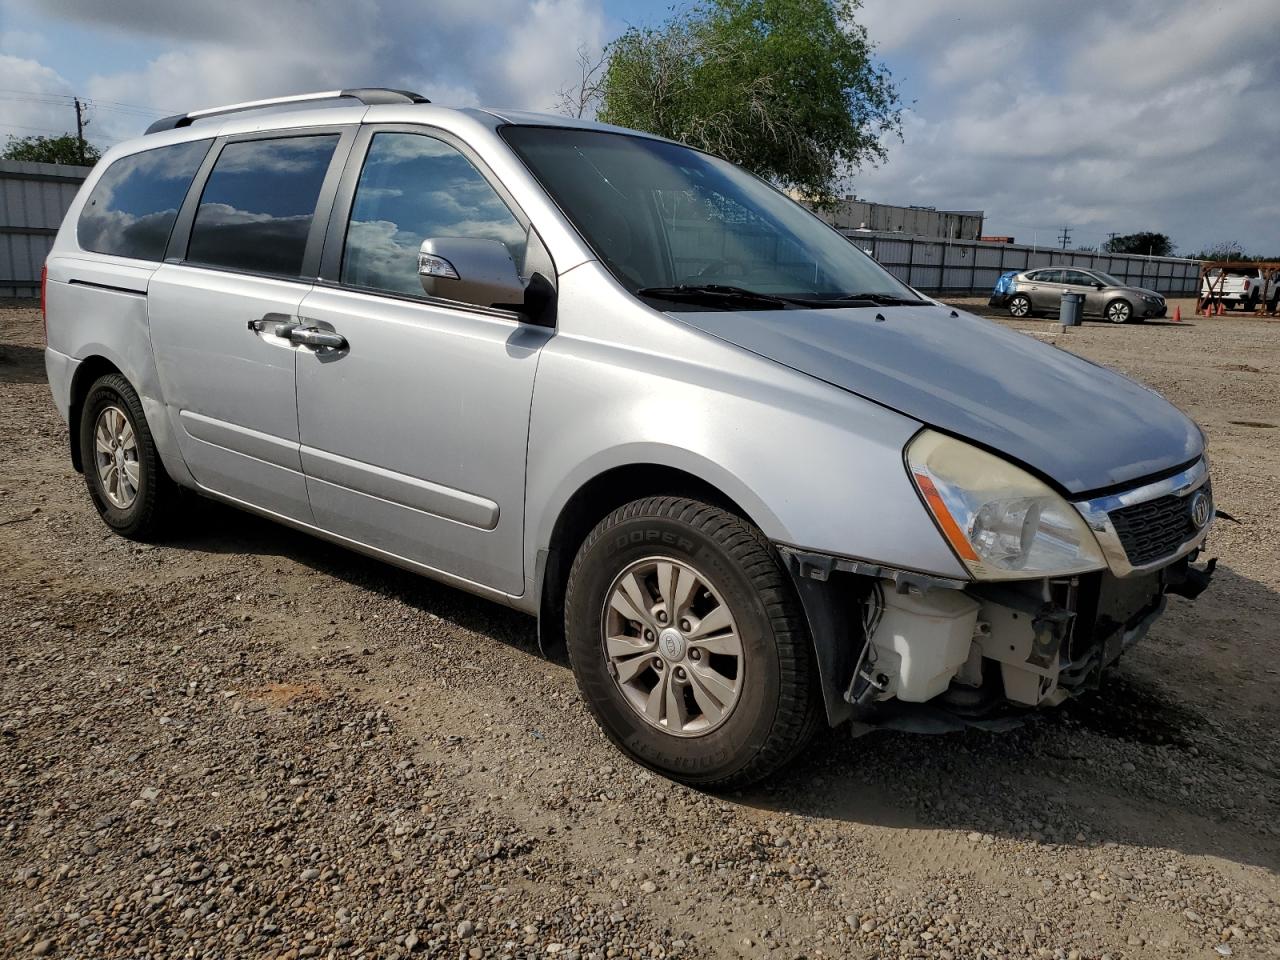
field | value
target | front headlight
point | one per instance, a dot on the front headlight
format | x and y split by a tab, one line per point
1000	520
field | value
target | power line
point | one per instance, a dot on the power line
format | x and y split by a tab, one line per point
5	124
48	96
1065	236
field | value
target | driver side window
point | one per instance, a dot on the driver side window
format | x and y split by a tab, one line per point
413	187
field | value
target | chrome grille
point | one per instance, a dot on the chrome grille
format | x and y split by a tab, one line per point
1154	529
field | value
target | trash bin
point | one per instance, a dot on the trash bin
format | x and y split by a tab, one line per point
1072	308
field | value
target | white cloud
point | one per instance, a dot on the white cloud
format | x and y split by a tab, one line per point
1108	116
33	99
514	53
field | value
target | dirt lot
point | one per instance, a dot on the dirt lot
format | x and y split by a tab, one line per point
247	743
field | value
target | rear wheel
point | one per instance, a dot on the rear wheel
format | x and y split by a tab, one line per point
126	480
1020	306
1119	311
688	643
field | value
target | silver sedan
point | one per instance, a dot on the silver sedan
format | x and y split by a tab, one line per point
1040	290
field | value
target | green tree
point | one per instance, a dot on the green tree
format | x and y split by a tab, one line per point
786	88
1144	242
63	149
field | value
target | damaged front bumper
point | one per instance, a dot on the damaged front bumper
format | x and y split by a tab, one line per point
972	652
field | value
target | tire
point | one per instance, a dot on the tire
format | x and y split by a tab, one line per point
691	736
141	509
1118	311
1020	307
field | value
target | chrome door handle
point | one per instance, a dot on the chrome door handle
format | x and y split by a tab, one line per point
264	323
311	337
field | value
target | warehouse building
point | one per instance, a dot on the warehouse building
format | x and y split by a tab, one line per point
854	214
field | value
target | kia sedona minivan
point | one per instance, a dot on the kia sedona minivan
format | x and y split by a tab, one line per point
749	479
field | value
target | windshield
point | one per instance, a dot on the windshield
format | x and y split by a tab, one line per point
667	221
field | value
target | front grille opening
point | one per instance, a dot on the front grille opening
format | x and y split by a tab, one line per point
1153	530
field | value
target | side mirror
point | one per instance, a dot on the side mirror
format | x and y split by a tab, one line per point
1097	284
470	270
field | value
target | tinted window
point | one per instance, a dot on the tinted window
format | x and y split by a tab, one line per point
258	203
662	215
1046	276
131	210
413	187
1078	279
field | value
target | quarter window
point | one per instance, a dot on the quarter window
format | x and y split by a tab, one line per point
132	208
257	206
413	187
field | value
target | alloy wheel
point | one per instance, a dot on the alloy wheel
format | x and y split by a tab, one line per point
116	456
672	646
1118	312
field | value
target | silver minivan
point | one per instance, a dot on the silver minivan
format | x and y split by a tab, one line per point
751	481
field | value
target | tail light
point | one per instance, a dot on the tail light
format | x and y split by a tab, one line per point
1246	286
44	300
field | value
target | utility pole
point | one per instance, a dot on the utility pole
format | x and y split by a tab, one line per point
1065	237
80	124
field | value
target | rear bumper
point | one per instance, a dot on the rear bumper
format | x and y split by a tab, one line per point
999	300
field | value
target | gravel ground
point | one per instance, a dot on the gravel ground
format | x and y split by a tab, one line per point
248	743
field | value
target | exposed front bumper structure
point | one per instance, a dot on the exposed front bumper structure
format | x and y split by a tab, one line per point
974	649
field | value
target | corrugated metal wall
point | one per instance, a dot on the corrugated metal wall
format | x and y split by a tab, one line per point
33	198
972	267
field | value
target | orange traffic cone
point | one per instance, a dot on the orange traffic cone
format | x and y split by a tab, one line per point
1221	309
1177	314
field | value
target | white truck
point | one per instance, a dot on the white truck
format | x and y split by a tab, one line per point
1244	285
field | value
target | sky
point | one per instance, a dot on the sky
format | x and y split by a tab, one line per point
1102	115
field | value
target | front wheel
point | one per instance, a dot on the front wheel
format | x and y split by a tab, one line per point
688	643
1119	311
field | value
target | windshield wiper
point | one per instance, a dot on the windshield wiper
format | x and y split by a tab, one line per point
717	294
880	299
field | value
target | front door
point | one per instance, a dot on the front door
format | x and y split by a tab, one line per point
226	372
413	434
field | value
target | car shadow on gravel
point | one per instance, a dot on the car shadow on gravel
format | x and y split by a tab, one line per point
213	527
21	364
1133	763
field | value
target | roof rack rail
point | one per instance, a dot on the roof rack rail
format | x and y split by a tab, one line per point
366	95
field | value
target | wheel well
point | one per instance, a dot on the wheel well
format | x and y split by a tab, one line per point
592	502
89	370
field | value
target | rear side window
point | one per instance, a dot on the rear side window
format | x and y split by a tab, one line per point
257	206
132	208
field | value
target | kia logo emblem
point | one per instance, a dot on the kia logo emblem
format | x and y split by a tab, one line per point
1200	509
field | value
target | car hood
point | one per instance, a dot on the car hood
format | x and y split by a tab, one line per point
1078	424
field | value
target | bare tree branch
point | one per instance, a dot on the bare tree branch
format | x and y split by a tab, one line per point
580	99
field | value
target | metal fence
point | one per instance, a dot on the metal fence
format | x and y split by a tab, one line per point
33	199
972	266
